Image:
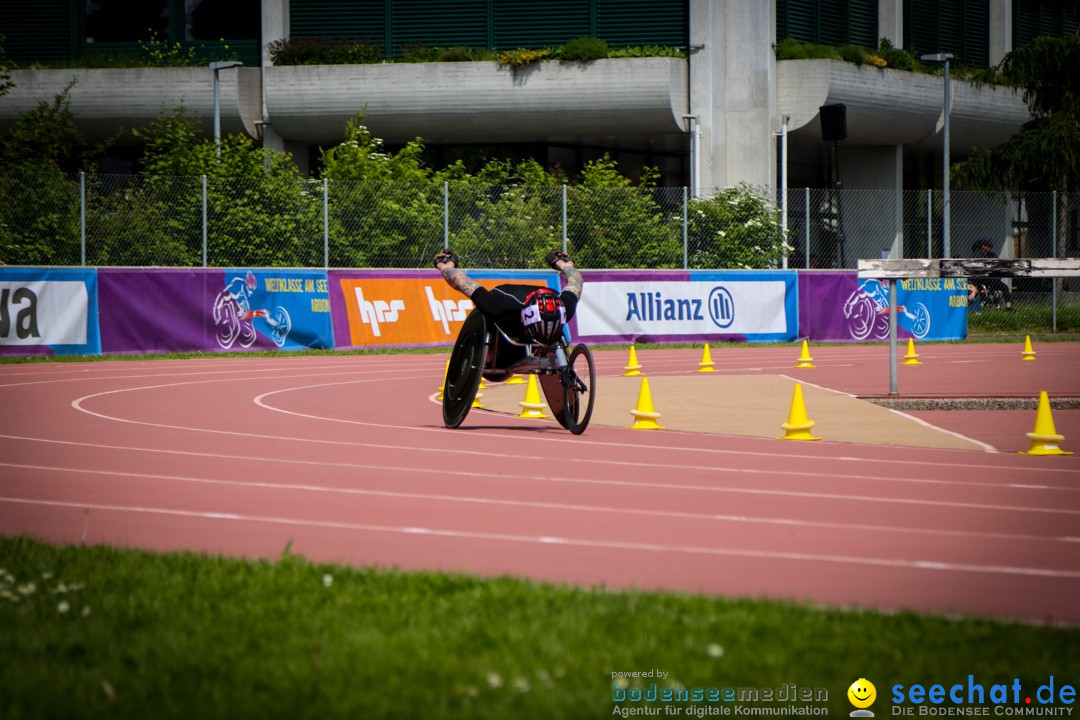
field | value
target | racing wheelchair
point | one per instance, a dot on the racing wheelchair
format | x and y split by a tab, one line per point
566	375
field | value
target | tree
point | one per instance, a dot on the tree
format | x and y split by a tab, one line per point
1045	154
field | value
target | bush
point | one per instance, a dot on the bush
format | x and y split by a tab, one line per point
736	228
584	49
324	51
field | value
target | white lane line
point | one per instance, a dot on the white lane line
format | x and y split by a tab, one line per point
635	484
576	542
541	505
634	464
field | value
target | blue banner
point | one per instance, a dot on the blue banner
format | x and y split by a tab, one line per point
49	311
268	308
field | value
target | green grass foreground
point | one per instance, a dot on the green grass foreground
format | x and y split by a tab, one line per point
95	632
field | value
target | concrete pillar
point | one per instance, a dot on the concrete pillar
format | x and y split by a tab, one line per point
891	21
873	202
732	91
275	26
1001	30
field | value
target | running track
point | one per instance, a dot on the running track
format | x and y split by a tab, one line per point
346	457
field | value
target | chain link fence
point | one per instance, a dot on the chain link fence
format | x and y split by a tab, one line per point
134	220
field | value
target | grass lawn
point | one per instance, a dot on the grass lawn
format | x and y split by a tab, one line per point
95	632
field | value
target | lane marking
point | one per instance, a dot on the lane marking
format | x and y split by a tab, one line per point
541	505
537	458
575	542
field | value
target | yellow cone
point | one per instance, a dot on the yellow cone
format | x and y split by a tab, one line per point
515	380
531	407
644	416
804	357
443	386
1044	439
798	425
706	364
1028	353
632	368
912	358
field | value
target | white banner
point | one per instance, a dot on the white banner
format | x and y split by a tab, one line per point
735	307
43	312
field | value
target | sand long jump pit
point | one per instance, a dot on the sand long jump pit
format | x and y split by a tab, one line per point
753	406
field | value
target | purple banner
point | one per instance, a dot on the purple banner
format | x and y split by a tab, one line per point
161	310
836	306
212	310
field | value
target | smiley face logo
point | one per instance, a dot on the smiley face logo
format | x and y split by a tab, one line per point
862	693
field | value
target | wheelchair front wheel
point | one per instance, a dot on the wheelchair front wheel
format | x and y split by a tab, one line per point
463	373
579	390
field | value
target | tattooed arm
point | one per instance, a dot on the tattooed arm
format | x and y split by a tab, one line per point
574	281
457	279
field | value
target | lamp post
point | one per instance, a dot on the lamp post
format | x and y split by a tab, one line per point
946	232
216	66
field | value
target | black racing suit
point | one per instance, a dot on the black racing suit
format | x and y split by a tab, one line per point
502	305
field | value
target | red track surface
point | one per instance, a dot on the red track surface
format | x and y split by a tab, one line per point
346	457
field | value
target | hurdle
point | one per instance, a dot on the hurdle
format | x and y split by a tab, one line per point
888	270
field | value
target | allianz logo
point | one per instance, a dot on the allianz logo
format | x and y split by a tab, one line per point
654	307
379	312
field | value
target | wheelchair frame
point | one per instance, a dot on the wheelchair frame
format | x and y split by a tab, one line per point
476	355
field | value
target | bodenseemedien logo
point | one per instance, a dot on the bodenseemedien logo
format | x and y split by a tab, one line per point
862	695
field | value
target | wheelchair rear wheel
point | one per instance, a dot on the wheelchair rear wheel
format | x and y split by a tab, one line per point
464	371
579	390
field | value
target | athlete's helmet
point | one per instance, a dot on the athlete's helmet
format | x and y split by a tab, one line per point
543	316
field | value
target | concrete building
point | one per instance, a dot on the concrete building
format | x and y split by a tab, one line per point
711	120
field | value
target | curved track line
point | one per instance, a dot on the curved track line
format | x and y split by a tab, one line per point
474	500
573	542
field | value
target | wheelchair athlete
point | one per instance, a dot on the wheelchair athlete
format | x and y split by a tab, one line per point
525	313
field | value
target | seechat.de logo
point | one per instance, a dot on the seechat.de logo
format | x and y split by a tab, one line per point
862	695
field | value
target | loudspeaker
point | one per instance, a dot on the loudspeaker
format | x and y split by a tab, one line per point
833	122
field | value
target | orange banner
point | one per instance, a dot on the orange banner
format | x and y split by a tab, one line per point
405	311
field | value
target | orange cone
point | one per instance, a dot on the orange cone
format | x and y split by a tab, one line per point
912	358
1028	353
804	357
645	416
531	406
798	425
632	368
1044	438
706	364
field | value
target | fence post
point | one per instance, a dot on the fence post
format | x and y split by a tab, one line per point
806	223
564	218
326	223
1054	240
204	221
685	233
929	223
445	215
82	216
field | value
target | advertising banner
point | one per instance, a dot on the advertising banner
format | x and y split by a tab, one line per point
211	310
681	306
273	308
408	308
47	311
837	306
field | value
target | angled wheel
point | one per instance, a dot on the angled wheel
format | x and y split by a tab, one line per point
464	370
579	390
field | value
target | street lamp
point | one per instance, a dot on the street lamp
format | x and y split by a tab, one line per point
946	234
216	66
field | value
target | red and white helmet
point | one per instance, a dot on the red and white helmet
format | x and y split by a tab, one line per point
543	316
